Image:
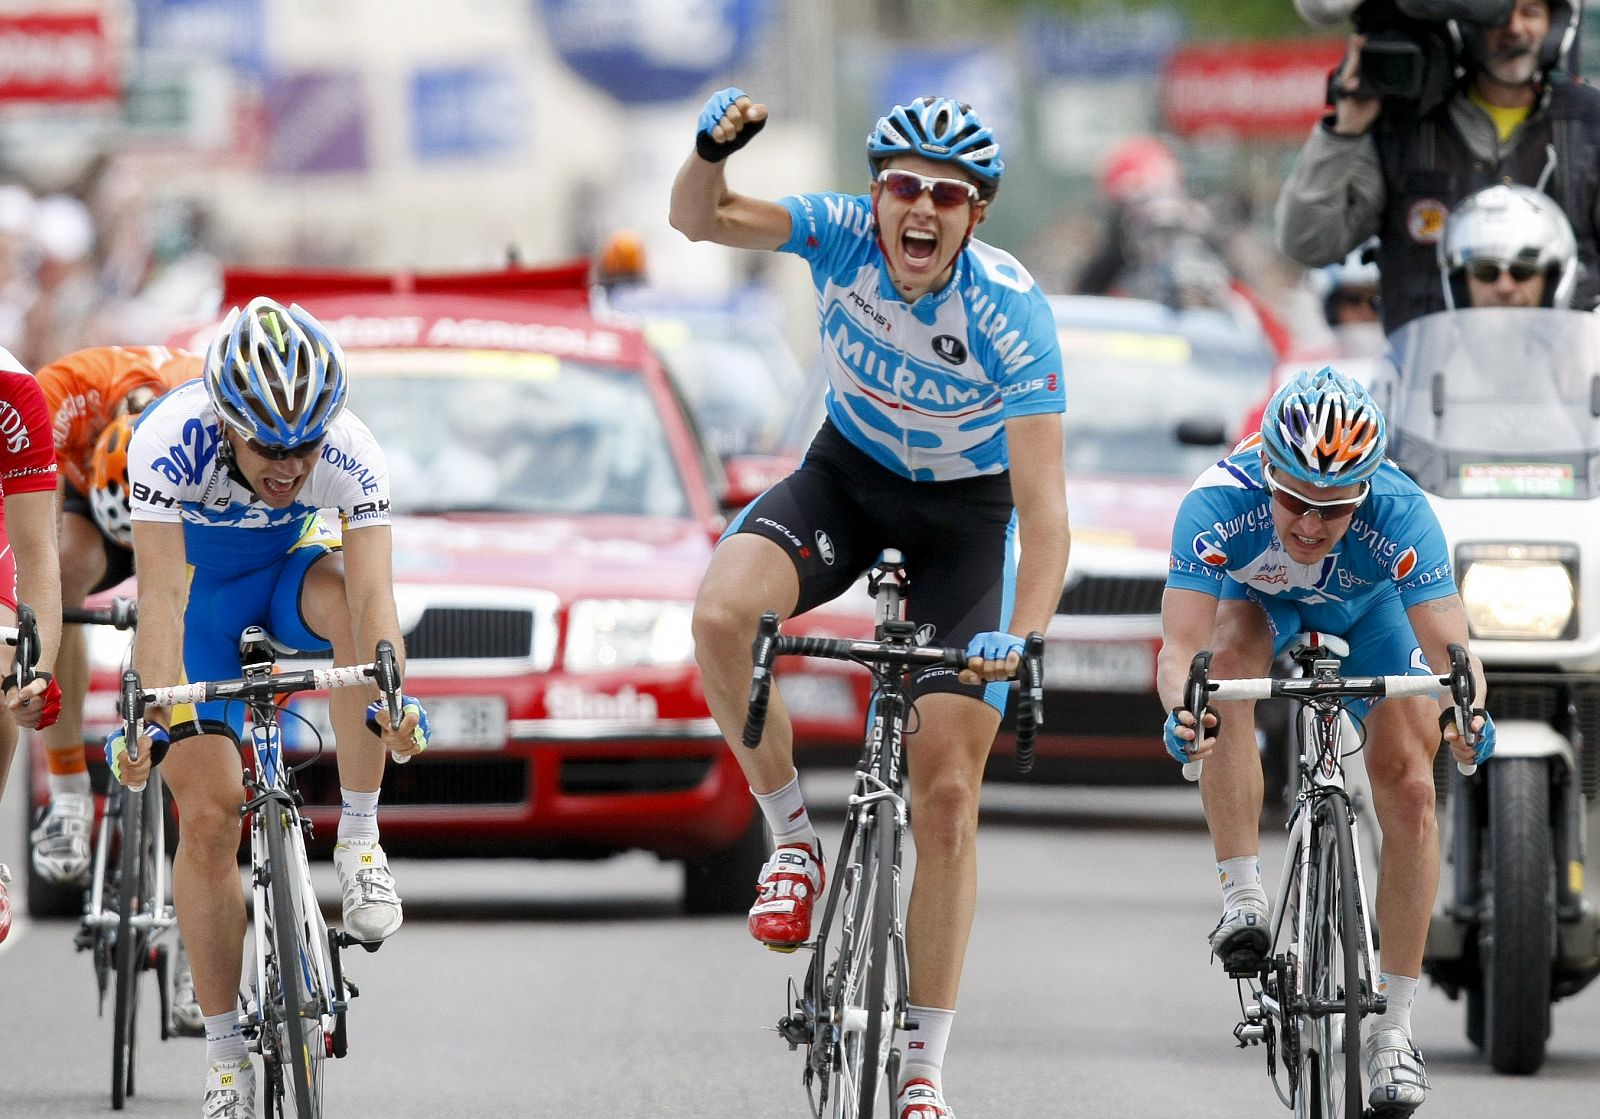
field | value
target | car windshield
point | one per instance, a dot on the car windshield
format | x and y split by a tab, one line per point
740	384
492	431
1496	402
1152	401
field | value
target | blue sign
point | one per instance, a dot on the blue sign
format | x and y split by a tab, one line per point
230	31
317	122
642	51
466	112
1108	44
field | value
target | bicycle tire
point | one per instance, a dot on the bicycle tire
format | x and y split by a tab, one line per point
848	975
879	1031
295	1017
127	956
1335	968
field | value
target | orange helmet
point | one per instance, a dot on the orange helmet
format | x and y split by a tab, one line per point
108	487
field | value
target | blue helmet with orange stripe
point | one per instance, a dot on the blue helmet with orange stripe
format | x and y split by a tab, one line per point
1324	429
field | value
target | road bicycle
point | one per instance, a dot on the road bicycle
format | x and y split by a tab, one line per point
127	910
294	1015
855	989
1305	1000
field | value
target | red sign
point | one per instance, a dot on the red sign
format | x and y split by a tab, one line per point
56	56
1259	91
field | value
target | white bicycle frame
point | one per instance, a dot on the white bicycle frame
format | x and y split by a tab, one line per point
96	916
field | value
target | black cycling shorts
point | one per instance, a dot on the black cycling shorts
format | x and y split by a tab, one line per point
835	514
119	560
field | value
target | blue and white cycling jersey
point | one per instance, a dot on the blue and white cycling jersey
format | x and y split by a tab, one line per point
174	475
924	388
1224	531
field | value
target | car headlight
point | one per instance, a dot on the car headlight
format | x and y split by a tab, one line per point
1520	592
607	633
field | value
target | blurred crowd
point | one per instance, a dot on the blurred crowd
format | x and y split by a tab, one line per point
99	262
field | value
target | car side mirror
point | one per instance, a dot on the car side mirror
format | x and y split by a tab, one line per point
1201	433
750	476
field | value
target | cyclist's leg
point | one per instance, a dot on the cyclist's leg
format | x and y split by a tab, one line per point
1242	644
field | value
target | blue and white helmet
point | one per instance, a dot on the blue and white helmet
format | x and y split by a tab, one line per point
941	129
275	375
1324	429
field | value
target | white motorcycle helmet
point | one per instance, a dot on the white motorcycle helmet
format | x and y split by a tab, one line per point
1509	224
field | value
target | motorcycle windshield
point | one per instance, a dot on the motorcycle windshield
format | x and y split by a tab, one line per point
1496	402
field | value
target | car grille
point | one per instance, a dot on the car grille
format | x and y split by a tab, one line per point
461	633
596	776
427	781
1112	595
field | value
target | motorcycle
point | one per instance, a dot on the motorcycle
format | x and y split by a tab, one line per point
1495	413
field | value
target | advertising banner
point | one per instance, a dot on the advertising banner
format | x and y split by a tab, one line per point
317	122
466	112
1251	91
56	56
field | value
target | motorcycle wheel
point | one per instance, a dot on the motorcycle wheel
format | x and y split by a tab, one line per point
1517	941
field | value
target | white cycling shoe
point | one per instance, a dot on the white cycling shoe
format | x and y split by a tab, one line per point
1396	1073
230	1090
371	906
61	841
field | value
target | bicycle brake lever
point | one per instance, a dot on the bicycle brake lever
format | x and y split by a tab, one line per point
1462	692
1194	700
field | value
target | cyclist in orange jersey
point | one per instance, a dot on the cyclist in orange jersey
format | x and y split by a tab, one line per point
86	392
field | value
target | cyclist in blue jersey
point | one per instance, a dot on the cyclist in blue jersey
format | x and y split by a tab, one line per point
227	474
943	438
1308	527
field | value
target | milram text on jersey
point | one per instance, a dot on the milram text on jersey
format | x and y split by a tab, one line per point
924	388
1224	530
174	475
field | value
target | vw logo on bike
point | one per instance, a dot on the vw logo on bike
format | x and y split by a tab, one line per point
925	634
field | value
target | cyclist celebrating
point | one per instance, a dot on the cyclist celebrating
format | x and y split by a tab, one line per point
943	371
88	392
1308	527
29	569
227	475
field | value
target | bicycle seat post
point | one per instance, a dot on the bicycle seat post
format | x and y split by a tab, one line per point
256	655
887	584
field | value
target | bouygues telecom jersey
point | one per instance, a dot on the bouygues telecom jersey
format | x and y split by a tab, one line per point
1224	531
174	475
924	388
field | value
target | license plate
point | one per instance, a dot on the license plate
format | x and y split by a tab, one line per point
1105	666
454	723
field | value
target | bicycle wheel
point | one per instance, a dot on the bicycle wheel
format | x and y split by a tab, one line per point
880	966
128	955
293	1013
1331	1078
852	993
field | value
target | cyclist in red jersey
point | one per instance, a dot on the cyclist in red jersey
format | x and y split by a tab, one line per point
29	569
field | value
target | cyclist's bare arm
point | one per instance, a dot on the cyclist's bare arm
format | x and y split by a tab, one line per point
31	527
161	560
1438	623
1188	619
705	209
369	588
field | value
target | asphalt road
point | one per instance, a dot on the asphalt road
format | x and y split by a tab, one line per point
569	990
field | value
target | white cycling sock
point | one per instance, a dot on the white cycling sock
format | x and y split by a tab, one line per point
1241	878
787	818
924	1052
70	783
1402	992
224	1039
358	816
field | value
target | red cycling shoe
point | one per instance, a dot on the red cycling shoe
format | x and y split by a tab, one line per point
921	1099
787	893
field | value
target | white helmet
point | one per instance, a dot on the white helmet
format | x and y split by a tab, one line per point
1509	224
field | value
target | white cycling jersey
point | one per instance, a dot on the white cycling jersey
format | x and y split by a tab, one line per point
924	388
174	475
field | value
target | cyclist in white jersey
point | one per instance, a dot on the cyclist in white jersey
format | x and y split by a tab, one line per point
943	439
227	474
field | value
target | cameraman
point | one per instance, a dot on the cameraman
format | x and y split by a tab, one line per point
1513	118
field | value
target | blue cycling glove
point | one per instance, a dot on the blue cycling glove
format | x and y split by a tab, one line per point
117	747
419	734
715	151
995	645
1483	750
1177	747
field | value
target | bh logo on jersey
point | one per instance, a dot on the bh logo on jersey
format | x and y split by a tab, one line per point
1404	564
1208	550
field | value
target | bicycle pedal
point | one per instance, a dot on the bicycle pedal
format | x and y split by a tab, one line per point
348	941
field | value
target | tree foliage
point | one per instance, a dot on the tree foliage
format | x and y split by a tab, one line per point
1207	19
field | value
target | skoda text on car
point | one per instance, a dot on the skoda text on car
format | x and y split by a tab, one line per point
1153	397
552	522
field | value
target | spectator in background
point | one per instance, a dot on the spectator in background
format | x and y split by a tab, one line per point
1515	117
1351	303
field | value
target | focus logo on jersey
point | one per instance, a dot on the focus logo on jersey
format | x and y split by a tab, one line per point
1207	550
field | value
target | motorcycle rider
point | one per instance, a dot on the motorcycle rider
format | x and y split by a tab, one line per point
1508	246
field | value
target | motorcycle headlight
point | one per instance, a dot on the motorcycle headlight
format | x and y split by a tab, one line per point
607	633
1520	592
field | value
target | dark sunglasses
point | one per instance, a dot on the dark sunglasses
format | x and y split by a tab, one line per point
1356	299
1297	506
908	186
278	454
1488	271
